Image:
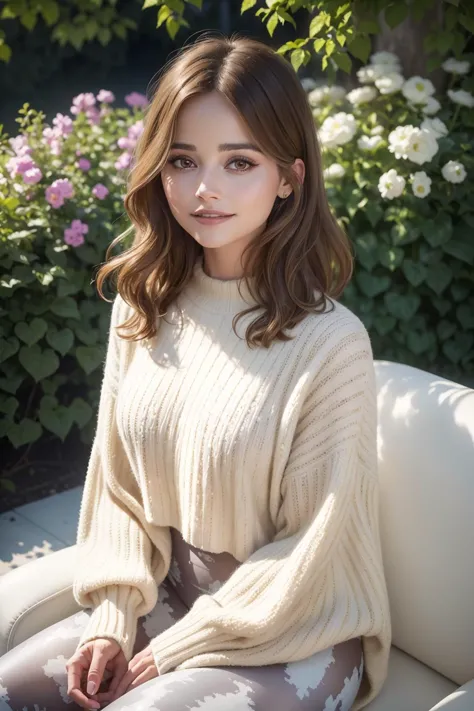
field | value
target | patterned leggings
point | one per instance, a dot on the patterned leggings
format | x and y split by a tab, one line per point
33	675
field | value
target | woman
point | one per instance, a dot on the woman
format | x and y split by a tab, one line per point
228	541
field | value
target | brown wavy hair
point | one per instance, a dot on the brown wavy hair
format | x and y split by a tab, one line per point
302	257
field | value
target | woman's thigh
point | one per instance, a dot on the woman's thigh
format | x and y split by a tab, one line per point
33	675
327	681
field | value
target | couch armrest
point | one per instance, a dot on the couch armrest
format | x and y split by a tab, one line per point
460	700
36	595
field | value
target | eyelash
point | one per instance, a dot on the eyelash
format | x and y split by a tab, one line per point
172	162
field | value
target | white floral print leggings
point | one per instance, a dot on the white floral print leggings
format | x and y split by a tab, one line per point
33	675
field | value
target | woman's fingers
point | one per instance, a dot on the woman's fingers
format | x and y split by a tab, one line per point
75	670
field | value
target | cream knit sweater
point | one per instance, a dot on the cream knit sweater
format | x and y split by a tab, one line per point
269	454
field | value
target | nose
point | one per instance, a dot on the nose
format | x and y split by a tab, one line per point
206	190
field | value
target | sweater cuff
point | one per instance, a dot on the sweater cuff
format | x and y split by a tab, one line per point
114	616
189	636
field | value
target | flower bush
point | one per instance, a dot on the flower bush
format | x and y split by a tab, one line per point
61	202
399	174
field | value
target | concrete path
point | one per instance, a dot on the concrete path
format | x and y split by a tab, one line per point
36	529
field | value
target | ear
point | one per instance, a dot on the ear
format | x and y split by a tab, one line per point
285	188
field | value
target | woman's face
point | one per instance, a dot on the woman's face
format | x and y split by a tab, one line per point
209	174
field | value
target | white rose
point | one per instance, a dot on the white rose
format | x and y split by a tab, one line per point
370	73
422	146
461	97
376	130
432	106
308	83
455	67
361	95
326	93
421	184
391	184
417	89
334	171
389	83
399	139
453	171
337	130
415	144
367	143
387	59
436	126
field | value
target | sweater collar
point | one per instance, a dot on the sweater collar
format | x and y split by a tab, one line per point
218	295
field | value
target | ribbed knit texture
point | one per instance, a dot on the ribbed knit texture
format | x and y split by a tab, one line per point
269	454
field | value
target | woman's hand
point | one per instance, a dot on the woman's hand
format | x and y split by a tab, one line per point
87	667
141	668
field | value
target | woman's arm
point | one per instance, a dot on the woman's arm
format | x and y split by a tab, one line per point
118	569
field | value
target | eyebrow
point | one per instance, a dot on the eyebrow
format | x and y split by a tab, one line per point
222	147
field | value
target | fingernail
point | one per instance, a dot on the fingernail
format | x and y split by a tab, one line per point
91	688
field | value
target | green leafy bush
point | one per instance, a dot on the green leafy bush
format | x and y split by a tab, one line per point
61	203
399	170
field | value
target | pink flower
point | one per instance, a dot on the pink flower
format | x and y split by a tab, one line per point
100	191
65	186
74	235
136	130
125	143
74	239
105	111
32	176
136	99
20	145
54	197
58	191
79	227
84	164
53	137
63	124
19	164
93	116
82	102
123	162
105	96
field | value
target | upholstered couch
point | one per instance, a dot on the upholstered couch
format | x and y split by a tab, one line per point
426	467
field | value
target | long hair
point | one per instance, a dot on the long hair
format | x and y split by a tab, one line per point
301	258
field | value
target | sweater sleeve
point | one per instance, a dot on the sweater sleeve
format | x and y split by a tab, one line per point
118	570
320	580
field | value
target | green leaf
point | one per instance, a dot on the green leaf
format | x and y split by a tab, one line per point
9	406
372	285
50	11
317	24
62	341
465	315
343	61
297	58
374	212
402	306
39	364
415	272
172	27
81	411
441	305
318	45
420	342
150	3
460	249
8	347
246	5
366	250
360	47
384	324
396	13
24	432
390	257
31	333
439	276
57	420
467	22
89	357
272	23
458	346
445	329
65	307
